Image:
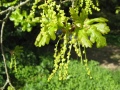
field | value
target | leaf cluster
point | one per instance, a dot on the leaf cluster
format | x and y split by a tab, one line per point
77	79
51	18
82	31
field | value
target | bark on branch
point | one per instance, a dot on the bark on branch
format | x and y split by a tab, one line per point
3	54
14	7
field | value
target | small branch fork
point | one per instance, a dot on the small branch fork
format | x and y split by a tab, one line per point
8	12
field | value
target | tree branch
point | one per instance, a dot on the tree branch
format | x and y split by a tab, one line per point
2	50
14	7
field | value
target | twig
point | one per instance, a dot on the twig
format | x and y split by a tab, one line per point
2	50
14	7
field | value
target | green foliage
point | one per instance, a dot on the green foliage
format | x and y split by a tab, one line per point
26	21
50	22
85	31
88	5
28	73
6	3
51	17
103	79
1	80
15	55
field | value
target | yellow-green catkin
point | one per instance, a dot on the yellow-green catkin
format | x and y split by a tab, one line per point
59	62
89	5
87	68
65	74
56	61
34	6
65	68
86	65
62	67
75	43
81	3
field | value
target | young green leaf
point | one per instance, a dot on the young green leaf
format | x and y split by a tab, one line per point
101	42
83	38
52	33
74	14
16	17
95	20
96	36
83	16
102	27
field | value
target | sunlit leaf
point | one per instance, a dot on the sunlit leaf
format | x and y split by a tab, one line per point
47	40
102	27
16	15
43	40
95	20
83	16
52	33
24	13
74	14
83	39
101	42
96	37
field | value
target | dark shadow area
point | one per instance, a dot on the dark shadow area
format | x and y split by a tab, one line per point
108	56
